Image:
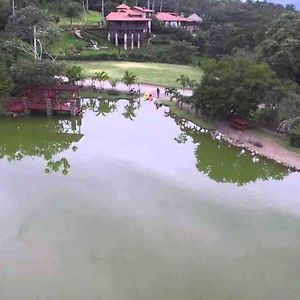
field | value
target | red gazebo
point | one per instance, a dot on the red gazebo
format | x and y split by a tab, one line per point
48	99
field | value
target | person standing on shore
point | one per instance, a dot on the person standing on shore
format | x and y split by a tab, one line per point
157	93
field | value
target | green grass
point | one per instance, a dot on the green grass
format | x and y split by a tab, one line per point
91	93
188	116
151	73
92	18
67	41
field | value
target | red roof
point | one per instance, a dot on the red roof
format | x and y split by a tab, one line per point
143	9
126	16
170	17
123	6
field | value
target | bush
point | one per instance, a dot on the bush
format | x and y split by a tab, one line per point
139	57
295	137
91	57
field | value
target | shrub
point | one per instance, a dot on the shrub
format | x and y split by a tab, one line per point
139	57
295	137
91	57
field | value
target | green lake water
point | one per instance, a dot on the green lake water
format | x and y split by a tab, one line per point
130	203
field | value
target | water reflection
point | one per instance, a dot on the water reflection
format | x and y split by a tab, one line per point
101	107
224	163
130	110
40	137
105	107
48	137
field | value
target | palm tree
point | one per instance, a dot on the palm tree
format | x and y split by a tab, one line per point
101	77
74	73
184	81
129	78
113	83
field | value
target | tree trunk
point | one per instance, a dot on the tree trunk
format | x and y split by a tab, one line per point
102	9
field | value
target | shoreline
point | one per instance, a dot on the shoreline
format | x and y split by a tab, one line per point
250	140
247	139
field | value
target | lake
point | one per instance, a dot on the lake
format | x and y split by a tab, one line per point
132	203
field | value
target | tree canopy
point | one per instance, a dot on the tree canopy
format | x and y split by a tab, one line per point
235	86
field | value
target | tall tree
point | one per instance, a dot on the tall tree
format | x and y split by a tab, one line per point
235	86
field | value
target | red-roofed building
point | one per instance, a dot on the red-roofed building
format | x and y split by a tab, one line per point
129	26
149	13
169	19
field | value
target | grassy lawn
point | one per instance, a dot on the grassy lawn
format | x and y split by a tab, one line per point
151	73
67	42
92	18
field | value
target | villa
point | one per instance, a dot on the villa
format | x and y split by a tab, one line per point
131	26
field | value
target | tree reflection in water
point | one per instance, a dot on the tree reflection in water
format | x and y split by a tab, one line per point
48	137
225	163
130	110
40	137
101	107
105	107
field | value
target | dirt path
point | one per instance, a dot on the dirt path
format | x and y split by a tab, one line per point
269	149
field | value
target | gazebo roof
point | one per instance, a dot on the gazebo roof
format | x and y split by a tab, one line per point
123	6
195	18
143	9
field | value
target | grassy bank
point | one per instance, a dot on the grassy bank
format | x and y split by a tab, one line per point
151	73
188	116
108	95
